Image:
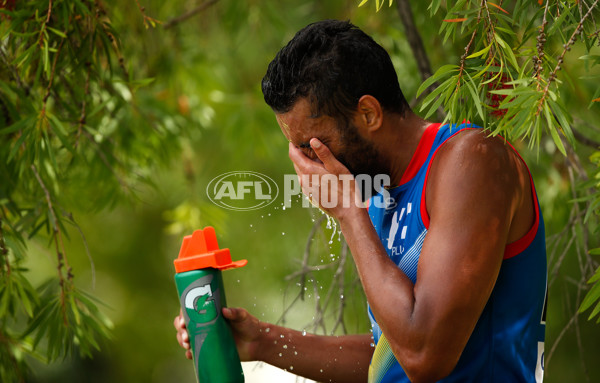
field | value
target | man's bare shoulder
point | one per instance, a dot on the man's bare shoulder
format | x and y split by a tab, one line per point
484	170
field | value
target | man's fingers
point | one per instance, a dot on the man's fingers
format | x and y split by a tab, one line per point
294	153
324	154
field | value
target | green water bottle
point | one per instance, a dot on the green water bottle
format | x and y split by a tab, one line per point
201	295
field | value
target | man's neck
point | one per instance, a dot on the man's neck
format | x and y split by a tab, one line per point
399	141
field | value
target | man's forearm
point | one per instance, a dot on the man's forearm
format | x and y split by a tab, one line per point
386	286
321	358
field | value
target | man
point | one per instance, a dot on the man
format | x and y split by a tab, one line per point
453	265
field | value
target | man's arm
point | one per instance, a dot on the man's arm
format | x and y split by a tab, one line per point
321	358
474	188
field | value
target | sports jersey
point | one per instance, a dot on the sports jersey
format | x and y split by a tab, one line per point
507	343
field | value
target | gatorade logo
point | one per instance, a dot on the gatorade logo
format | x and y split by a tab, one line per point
200	305
244	190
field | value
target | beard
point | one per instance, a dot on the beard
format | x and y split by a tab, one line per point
361	157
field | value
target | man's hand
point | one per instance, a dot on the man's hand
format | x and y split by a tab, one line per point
322	358
326	181
246	332
182	335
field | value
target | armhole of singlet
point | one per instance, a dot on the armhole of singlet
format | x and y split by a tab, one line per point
518	246
424	214
513	248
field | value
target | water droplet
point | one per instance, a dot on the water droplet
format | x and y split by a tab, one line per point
283	208
282	233
280	354
342	296
285	346
250	225
321	370
291	367
281	336
295	352
275	342
372	344
267	329
303	332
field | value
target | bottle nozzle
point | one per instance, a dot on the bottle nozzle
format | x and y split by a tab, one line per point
201	250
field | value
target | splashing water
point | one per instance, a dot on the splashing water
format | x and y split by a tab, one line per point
332	225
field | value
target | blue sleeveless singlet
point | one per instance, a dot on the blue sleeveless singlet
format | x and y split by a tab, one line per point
507	344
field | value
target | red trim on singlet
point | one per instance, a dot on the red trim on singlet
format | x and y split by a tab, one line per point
420	156
518	246
513	248
424	215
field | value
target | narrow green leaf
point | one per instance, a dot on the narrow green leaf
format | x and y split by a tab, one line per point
21	124
57	32
475	99
559	114
17	145
436	76
592	296
434	106
595	312
480	53
596	276
553	130
431	96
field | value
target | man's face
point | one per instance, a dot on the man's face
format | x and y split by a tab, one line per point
355	152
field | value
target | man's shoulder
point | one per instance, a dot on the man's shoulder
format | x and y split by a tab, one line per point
478	149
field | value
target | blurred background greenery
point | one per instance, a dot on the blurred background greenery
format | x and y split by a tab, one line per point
205	87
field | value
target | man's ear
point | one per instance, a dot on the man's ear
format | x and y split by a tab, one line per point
370	114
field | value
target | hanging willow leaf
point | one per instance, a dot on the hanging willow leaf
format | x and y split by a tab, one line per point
593	296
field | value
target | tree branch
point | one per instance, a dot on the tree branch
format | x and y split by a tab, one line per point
417	47
584	140
414	39
191	13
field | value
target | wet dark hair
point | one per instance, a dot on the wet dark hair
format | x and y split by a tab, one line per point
332	63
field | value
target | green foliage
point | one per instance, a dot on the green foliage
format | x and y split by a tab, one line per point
69	118
593	296
110	93
508	76
378	3
510	81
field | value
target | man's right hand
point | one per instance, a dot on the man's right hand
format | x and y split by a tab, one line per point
246	331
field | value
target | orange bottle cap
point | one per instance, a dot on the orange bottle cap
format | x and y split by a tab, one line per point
201	250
